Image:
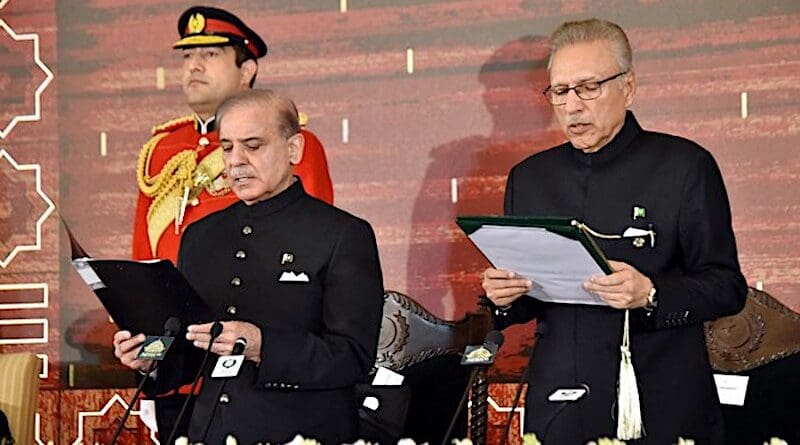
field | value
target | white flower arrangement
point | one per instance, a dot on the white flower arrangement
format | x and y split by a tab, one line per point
527	439
530	439
606	441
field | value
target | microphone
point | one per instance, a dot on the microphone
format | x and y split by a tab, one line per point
227	367
239	345
540	331
172	328
479	357
216	330
565	396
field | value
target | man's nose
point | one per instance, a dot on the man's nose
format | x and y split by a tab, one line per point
574	103
236	156
195	63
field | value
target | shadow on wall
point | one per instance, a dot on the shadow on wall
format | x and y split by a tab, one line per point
443	266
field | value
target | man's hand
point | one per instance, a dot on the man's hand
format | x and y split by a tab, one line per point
626	288
503	287
126	349
200	335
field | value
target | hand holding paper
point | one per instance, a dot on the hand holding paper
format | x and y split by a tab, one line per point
503	287
551	258
626	288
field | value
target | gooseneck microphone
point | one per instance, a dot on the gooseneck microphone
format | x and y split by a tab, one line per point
216	330
172	328
523	378
567	396
238	349
480	357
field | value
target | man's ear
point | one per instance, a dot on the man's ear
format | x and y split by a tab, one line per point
630	88
296	144
248	70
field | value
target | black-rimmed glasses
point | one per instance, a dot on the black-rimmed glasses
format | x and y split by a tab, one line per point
557	95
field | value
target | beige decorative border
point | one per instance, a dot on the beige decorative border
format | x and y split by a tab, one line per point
50	207
116	398
506	409
37	115
45	323
26	286
45	363
37	419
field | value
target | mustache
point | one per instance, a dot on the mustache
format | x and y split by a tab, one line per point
239	172
575	120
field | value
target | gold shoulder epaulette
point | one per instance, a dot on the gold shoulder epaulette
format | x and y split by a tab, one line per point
302	119
172	124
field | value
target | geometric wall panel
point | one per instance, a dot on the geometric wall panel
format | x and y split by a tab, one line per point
8	120
19	206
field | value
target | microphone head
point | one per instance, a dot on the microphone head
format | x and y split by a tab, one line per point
239	345
172	327
495	337
216	329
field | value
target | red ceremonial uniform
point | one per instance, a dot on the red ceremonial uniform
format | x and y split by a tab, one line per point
180	181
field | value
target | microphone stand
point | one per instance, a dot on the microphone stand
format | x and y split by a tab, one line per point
216	329
238	348
494	339
171	328
128	410
522	379
452	425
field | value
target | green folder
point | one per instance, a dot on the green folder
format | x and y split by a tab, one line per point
568	227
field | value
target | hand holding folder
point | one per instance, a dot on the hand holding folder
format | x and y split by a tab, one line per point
139	295
557	254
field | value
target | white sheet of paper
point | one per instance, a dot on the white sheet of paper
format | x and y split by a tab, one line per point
88	274
387	377
731	388
147	412
558	266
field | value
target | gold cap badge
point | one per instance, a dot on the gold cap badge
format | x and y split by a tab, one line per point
197	23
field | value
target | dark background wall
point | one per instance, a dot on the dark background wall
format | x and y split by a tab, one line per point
470	109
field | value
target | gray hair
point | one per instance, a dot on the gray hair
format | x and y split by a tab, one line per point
592	30
267	100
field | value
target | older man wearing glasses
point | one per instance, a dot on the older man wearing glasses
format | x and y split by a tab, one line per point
659	206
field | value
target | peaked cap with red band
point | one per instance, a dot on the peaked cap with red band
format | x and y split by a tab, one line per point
207	26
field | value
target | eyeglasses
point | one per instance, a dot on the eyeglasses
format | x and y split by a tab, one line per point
587	91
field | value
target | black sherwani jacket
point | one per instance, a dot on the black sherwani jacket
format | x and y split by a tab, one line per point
693	265
308	275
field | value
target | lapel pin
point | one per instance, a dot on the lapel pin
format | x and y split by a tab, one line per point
639	212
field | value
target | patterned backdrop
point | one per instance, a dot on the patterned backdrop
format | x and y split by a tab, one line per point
422	106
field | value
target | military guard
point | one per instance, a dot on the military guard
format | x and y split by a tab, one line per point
180	169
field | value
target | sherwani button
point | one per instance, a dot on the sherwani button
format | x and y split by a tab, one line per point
236	281
232	310
240	254
247	230
224	398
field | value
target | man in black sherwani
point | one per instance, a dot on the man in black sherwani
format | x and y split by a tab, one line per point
676	267
298	279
